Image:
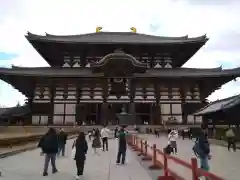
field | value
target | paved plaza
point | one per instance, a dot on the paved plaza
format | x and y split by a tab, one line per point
29	165
224	163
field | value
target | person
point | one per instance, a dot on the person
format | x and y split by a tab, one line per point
168	149
40	145
90	135
80	154
49	146
104	135
116	132
201	149
96	141
231	139
122	146
157	133
190	133
62	140
172	137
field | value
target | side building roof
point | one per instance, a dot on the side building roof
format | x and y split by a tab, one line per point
219	105
14	112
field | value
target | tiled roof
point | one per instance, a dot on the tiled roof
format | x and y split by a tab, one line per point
15	111
116	37
219	105
2	110
87	72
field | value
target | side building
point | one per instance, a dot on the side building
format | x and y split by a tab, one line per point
93	76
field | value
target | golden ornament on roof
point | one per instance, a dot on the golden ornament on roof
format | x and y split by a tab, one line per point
98	29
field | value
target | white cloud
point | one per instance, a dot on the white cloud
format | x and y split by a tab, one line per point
165	17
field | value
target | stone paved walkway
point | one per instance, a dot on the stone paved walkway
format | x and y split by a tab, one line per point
28	166
224	163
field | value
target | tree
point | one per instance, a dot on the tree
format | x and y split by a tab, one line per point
18	104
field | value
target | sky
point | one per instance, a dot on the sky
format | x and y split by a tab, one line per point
219	19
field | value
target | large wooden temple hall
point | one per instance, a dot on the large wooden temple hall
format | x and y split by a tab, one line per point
92	77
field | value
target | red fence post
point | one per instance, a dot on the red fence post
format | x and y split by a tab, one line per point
165	165
136	147
146	156
141	148
154	158
133	140
194	169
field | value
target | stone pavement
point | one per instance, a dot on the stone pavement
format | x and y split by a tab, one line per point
222	143
28	166
224	163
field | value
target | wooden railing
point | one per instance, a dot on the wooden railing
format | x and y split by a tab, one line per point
160	160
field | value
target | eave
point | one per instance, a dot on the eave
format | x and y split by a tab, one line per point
25	79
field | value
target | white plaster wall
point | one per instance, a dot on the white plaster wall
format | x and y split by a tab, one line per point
57	119
198	119
35	119
165	109
176	109
70	109
190	119
58	108
44	120
69	119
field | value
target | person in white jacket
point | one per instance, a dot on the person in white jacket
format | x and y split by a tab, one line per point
172	138
105	135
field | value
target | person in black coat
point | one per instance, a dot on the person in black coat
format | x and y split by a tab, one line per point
80	155
62	140
49	146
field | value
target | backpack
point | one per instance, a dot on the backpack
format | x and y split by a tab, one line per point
196	149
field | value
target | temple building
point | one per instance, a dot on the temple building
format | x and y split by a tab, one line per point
221	112
93	76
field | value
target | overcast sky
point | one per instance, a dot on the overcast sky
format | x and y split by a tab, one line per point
219	19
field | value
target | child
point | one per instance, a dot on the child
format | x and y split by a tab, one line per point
168	149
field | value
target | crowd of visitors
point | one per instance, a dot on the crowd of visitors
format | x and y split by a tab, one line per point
53	144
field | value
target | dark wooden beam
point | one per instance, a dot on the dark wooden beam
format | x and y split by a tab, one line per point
132	92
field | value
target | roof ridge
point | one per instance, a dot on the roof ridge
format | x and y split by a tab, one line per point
186	37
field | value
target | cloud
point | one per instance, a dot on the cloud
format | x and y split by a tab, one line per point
219	19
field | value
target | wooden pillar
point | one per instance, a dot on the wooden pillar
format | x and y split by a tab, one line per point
104	105
30	102
132	111
52	94
97	114
157	119
183	96
132	108
77	107
152	117
104	113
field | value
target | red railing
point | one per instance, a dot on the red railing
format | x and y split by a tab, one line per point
160	160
